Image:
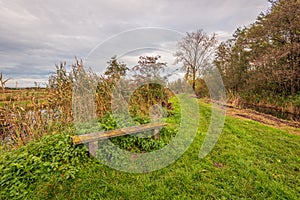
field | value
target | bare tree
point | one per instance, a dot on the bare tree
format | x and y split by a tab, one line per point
195	52
3	82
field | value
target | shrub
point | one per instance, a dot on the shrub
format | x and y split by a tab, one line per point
53	157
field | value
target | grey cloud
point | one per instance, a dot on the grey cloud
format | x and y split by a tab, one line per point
34	35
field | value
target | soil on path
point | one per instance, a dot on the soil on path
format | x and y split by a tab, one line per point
269	120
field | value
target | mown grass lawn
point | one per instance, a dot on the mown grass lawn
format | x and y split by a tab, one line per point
250	161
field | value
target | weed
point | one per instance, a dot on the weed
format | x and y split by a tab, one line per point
52	157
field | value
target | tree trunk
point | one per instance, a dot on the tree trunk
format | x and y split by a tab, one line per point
194	80
194	85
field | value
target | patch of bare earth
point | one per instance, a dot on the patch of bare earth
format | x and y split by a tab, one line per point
269	120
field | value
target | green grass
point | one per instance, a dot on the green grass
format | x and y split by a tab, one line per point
250	161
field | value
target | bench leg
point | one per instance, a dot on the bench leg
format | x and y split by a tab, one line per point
156	134
93	147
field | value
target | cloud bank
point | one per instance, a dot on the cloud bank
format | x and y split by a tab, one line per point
36	35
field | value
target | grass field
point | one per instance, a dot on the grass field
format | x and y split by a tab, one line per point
23	97
250	161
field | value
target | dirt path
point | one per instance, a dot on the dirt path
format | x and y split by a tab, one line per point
269	120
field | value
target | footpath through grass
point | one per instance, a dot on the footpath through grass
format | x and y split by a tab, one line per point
250	161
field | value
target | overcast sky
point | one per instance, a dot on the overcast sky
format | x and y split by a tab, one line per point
35	35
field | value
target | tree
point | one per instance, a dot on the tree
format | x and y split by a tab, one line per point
149	69
110	82
148	74
261	64
274	40
232	61
178	86
195	52
282	30
147	77
3	82
115	70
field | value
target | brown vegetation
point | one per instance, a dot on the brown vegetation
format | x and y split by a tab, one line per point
27	115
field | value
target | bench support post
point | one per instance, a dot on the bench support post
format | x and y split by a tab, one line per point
156	134
93	147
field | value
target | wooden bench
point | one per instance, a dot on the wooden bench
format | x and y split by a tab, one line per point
92	138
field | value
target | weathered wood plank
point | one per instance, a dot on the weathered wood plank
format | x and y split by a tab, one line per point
91	137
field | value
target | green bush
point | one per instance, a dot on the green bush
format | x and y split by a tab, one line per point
141	142
53	157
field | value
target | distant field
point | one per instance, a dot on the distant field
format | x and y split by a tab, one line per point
22	97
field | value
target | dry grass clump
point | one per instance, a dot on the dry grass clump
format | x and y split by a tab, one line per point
74	93
31	116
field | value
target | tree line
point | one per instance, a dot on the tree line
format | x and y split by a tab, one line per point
259	65
262	62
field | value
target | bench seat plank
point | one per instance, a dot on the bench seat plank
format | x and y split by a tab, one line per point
91	137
